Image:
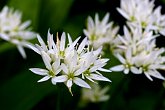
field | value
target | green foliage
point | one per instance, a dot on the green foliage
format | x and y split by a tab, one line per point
21	91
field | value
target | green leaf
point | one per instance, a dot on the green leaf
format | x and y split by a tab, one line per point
53	14
23	92
29	9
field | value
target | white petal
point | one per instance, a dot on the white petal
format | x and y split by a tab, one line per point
24	25
99	77
62	41
69	83
135	70
82	45
120	58
39	71
46	60
31	46
117	68
148	76
4	36
42	43
104	70
123	13
126	70
61	78
22	51
80	71
56	64
64	68
81	82
156	74
44	79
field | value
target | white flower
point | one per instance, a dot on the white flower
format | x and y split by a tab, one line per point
100	32
71	71
67	63
13	30
128	63
142	12
138	53
94	64
96	94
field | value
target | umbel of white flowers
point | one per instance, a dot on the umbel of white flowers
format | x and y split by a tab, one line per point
136	49
139	53
69	63
13	30
143	12
101	32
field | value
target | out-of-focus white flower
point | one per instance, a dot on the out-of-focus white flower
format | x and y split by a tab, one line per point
128	63
13	30
67	63
100	32
142	12
138	53
94	95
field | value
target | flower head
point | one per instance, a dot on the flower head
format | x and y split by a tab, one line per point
13	30
68	63
100	32
144	13
139	54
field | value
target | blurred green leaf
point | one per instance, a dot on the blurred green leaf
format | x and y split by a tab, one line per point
53	14
23	92
29	9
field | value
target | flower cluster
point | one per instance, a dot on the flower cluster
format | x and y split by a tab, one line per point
97	94
69	62
136	49
139	53
12	30
100	32
143	12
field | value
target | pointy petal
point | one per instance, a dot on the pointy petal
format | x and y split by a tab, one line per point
64	68
22	51
99	77
80	71
4	36
120	58
42	43
123	13
62	41
80	82
156	74
148	76
46	60
82	45
56	64
44	79
39	71
69	83
104	70
118	68
61	78
135	70
33	47
24	25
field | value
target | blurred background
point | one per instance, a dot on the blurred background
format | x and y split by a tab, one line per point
19	89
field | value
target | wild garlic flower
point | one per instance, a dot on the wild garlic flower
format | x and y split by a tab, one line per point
13	30
95	95
143	12
100	32
69	63
139	53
